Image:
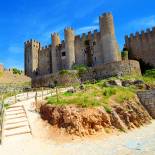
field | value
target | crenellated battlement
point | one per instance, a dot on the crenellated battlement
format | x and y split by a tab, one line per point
31	42
69	29
91	35
46	47
55	34
139	35
107	14
141	45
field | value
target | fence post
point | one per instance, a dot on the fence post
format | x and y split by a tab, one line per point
36	100
57	94
27	95
15	97
1	119
42	92
51	91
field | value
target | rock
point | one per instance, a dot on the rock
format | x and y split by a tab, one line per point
114	83
127	83
138	82
87	121
71	90
116	121
82	87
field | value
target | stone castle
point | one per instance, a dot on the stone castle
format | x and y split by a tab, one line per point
142	46
71	51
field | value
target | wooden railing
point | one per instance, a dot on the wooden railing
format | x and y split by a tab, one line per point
2	110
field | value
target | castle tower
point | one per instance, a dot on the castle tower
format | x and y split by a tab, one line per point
55	43
69	47
31	54
109	44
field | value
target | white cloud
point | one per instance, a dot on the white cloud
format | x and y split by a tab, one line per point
86	29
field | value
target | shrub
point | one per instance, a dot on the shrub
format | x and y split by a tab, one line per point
124	55
80	68
17	71
109	92
150	73
63	72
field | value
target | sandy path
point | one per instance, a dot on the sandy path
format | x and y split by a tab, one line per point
137	142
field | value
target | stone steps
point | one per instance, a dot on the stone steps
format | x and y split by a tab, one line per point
16	121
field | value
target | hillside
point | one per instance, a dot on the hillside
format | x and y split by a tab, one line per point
7	77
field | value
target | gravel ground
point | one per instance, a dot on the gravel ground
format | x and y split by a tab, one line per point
136	142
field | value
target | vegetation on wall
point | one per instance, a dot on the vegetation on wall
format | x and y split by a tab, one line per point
17	71
124	55
80	68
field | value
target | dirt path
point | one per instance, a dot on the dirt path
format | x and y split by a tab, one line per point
137	142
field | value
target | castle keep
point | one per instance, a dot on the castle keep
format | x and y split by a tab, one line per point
64	54
142	46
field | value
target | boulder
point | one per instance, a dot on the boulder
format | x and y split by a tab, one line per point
113	83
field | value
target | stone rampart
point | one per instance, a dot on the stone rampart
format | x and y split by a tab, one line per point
129	67
142	46
147	98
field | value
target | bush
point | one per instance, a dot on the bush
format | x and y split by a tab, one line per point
80	68
17	71
124	55
150	73
63	72
109	92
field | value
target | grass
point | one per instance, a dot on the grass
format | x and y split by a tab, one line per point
1	74
94	95
97	94
125	95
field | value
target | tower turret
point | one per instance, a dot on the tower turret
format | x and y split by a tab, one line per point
69	47
55	43
110	46
31	55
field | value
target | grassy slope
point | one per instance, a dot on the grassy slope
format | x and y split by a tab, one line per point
8	78
99	95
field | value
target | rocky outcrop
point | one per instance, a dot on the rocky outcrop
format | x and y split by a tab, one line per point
87	121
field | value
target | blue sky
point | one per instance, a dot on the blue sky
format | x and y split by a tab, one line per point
22	20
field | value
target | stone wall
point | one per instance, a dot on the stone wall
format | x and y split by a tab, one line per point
45	61
128	67
65	79
147	98
142	46
120	68
1	68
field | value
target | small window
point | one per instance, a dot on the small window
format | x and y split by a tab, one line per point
63	54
